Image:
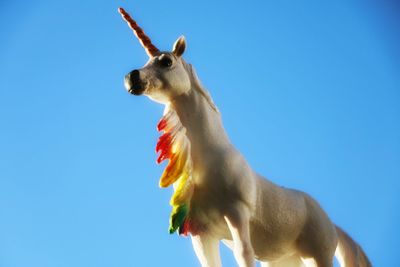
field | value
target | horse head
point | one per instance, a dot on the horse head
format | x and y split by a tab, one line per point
165	75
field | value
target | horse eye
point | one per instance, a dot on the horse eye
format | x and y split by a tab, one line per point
166	61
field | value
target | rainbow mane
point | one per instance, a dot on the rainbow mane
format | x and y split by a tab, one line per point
174	145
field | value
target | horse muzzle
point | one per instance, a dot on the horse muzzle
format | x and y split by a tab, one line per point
133	83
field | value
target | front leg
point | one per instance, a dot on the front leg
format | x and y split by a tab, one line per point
207	250
238	221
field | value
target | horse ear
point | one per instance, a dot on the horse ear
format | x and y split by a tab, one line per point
179	46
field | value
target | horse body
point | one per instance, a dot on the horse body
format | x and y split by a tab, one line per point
228	200
279	218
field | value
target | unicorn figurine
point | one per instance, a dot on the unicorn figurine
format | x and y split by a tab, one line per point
217	196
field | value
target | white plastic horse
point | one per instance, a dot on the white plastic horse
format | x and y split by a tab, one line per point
256	218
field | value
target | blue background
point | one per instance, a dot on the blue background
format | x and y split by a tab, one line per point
309	92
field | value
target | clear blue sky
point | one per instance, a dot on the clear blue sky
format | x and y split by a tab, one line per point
309	91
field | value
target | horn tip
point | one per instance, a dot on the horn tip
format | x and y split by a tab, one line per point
121	10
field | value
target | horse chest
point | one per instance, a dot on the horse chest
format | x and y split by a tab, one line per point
207	211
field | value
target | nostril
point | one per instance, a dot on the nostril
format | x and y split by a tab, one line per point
133	83
134	75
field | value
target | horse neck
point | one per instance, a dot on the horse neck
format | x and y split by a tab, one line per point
203	124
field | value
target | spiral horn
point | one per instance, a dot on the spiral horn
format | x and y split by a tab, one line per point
151	50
